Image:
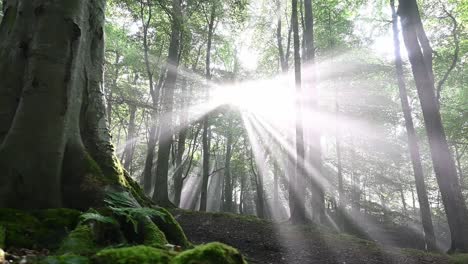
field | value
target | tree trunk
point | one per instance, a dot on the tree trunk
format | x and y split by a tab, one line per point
130	143
444	166
279	40
227	169
178	176
148	168
161	195
426	218
206	120
297	181
55	148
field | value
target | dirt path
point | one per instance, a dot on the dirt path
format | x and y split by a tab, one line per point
267	243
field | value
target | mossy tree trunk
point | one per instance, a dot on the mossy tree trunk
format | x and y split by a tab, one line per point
55	145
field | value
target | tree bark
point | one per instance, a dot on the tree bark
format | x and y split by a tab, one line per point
297	181
426	218
178	176
130	142
148	168
444	165
55	148
206	119
161	195
228	207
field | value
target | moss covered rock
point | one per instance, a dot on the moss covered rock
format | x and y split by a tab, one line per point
2	236
65	259
22	230
212	253
133	255
80	241
152	235
171	228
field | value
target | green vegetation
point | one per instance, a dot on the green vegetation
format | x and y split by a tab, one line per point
132	255
212	253
80	241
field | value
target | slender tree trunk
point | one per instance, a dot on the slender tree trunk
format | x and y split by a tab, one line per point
420	56
315	151
426	220
161	195
297	182
55	148
227	169
206	120
130	142
148	168
178	176
111	89
279	39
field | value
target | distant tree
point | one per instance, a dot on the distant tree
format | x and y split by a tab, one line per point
297	182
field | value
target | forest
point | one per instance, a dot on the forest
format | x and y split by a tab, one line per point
233	131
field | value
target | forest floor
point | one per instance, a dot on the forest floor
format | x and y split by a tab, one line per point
269	243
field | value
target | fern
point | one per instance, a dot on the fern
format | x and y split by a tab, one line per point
123	204
95	216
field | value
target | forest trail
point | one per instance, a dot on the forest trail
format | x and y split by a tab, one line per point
268	243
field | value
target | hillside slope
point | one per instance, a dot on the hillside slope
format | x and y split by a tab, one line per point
264	242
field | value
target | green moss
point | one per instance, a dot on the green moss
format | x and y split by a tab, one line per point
459	259
132	255
212	253
62	217
174	233
152	235
80	241
65	259
22	229
2	236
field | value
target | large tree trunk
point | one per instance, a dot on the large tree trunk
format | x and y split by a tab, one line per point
426	220
420	56
161	195
297	182
55	145
206	119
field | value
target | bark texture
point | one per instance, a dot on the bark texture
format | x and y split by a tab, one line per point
160	194
297	181
55	146
426	218
420	57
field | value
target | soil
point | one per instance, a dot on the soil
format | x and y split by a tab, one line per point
268	243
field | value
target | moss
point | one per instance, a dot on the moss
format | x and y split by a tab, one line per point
62	217
22	229
132	255
212	253
152	235
80	241
171	229
459	259
2	236
65	259
57	223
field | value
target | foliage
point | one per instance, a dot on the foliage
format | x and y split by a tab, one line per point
124	205
132	255
211	253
